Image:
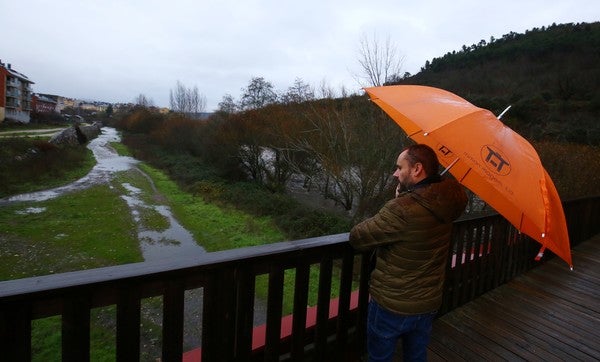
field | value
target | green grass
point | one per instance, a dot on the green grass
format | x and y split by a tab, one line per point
82	230
46	337
215	228
121	149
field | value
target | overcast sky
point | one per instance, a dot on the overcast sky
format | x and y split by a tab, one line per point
114	50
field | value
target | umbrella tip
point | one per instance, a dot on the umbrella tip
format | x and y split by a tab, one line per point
571	267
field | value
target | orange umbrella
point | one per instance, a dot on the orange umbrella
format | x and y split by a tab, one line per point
486	156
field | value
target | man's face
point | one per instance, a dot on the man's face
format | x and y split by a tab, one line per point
404	173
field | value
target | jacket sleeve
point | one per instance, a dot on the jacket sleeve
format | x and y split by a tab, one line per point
387	226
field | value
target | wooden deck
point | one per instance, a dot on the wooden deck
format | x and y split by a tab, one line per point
548	314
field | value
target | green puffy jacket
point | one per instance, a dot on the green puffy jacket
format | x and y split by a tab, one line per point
411	234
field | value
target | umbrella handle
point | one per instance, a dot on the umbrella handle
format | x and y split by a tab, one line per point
449	167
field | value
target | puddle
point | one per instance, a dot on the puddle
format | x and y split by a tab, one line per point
173	241
31	210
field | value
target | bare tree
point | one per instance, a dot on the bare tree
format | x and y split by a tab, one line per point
186	100
380	62
351	146
143	101
298	93
325	90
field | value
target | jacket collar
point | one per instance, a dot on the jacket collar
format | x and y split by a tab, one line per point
426	181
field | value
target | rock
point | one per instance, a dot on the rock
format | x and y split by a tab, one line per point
92	131
76	135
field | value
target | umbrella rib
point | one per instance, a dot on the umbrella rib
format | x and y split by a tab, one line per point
449	166
416	132
521	222
465	175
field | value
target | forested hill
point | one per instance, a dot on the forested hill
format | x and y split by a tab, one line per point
550	76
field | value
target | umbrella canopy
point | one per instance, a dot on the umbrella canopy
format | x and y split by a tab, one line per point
486	156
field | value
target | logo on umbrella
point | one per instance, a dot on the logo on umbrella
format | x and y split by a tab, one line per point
495	160
445	151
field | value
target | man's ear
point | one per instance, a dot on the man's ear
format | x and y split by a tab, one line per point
418	169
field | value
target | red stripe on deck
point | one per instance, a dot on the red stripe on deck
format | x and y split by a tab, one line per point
259	332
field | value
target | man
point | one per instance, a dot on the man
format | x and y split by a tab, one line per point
411	236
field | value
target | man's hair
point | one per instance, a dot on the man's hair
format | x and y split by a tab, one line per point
425	155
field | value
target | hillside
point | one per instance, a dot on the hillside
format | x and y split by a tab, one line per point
550	76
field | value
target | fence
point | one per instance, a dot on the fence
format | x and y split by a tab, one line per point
486	252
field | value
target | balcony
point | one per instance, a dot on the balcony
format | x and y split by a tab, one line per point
13	93
13	103
13	82
481	259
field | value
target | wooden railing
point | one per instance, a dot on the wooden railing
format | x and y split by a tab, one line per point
486	253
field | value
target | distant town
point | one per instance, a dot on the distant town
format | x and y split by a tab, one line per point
19	103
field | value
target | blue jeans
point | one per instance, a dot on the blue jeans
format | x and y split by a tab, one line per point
384	328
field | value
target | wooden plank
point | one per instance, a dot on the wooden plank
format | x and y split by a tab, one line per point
567	311
128	324
433	356
553	296
244	319
585	299
564	281
459	343
173	306
567	281
218	316
512	330
274	311
556	312
479	336
501	338
76	329
15	332
548	339
343	320
437	351
301	284
567	330
510	337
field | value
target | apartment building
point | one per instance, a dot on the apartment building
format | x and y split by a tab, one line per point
15	94
44	103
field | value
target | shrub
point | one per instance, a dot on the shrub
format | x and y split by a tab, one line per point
29	165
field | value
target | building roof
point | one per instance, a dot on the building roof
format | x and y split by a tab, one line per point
14	73
45	98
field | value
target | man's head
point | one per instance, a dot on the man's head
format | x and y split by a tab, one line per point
414	164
